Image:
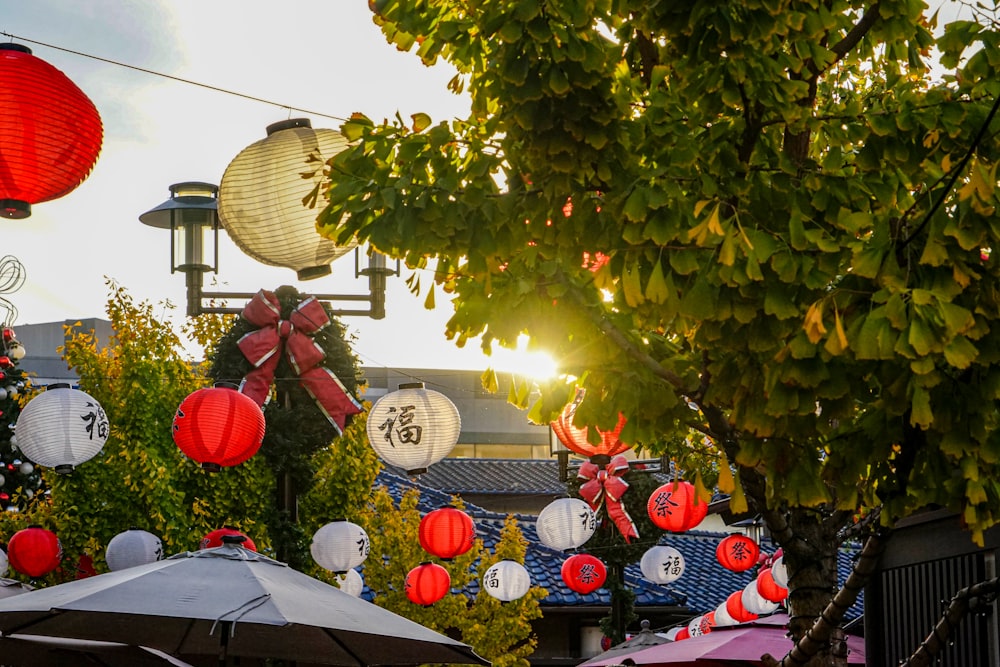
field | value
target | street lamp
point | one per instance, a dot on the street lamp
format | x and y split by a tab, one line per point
191	215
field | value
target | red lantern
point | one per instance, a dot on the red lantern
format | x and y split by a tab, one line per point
707	623
583	573
768	588
447	532
575	439
682	634
734	605
34	551
218	426
427	583
50	131
675	506
214	539
737	553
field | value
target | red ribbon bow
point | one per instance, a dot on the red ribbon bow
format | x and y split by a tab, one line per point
263	349
605	485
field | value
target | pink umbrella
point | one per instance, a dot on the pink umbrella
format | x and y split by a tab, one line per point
725	646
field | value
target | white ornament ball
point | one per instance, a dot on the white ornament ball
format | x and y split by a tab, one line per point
26	468
351	583
506	580
3	394
131	548
566	523
662	564
340	546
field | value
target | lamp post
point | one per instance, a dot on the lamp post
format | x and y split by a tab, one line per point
191	215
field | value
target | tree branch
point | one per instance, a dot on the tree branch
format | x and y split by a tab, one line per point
966	600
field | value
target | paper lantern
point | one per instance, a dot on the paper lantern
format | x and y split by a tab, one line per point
218	427
507	580
446	532
133	547
737	553
577	439
62	428
34	551
722	617
675	506
735	608
351	583
566	523
50	131
3	563
779	572
707	622
261	198
694	627
414	427
673	634
214	539
755	603
768	588
583	573
662	564
340	546
427	583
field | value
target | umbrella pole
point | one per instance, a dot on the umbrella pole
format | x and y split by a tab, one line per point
224	643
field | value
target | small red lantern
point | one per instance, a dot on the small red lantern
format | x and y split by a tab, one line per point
682	634
214	539
218	426
675	506
50	131
734	605
707	623
447	532
34	551
768	588
583	573
737	553
427	583
575	439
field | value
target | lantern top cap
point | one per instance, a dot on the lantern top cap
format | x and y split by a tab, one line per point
58	385
11	46
412	385
186	196
289	124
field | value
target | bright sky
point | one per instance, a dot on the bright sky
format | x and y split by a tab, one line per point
325	56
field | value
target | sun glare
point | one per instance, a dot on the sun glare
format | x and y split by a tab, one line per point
533	364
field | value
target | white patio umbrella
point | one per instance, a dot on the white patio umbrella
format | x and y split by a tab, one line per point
229	602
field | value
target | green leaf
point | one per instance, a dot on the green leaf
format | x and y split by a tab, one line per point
421	122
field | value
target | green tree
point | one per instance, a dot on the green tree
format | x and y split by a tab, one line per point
499	632
766	224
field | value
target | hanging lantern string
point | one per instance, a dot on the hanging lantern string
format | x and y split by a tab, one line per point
174	78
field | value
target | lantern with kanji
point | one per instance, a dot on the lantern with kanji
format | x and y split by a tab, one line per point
218	427
50	132
34	551
214	539
506	580
261	198
578	439
61	428
566	523
696	626
769	588
675	507
583	573
446	532
662	564
351	583
737	553
427	583
133	547
414	427
340	546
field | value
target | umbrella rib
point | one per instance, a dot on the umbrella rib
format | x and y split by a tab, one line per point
246	608
345	648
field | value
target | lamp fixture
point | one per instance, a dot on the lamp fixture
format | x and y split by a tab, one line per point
191	215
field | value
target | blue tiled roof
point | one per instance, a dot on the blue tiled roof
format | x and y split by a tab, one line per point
493	476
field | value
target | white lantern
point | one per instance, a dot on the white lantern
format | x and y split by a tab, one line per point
61	428
414	427
261	198
340	546
723	617
694	626
351	583
3	563
779	572
566	523
131	548
506	580
672	633
662	564
755	603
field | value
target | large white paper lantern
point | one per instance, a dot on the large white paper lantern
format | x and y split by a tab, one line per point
755	603
566	523
414	427
340	546
351	583
662	564
133	547
261	198
61	428
506	580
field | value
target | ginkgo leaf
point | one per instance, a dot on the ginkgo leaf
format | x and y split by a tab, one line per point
421	121
813	323
656	288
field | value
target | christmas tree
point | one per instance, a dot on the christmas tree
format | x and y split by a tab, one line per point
20	480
